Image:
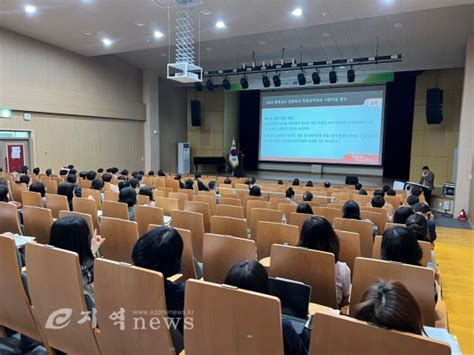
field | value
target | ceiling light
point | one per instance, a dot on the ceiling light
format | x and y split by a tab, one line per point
276	80
158	34
140	23
324	14
301	79
226	84
220	24
316	78
30	9
333	77
326	34
297	12
206	12
86	33
266	81
397	25
106	42
244	82
351	75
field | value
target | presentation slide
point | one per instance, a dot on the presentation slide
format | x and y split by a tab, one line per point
343	127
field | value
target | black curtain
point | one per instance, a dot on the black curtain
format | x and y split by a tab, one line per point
249	128
399	108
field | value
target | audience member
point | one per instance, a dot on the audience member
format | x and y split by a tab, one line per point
25	179
401	214
39	187
309	184
290	194
148	191
49	172
412	200
327	184
228	181
417	225
307	196
351	210
425	210
399	244
358	186
296	182
363	192
255	191
67	189
304	208
36	171
129	196
189	184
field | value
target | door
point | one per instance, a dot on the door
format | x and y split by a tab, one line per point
15	157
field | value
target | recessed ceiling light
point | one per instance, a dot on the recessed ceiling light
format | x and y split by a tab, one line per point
262	43
106	42
30	9
209	49
86	33
158	34
220	24
324	14
206	12
140	23
326	34
297	12
397	25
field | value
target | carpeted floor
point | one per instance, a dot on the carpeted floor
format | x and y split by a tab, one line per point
449	222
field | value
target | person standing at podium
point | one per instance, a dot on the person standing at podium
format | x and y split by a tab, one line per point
427	180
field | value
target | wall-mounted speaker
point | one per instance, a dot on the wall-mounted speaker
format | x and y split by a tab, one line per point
196	113
434	106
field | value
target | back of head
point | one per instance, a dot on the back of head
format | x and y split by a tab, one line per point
197	175
66	189
73	171
71	178
386	188
134	183
248	275
390	305
401	214
201	186
161	173
107	177
97	184
123	184
379	193
309	184
412	200
4	193
91	175
129	196
358	186
391	192
351	210
70	166
255	191
100	170
114	170
72	233
25	179
307	196
24	169
124	172
327	184
363	192
296	182
418	226
422	208
377	201
290	193
36	171
280	182
49	172
304	208
38	187
228	181
317	234
146	191
160	250
64	172
399	244
416	191
212	185
189	184
83	174
151	173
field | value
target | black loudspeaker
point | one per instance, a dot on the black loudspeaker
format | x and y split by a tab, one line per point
434	106
352	180
196	113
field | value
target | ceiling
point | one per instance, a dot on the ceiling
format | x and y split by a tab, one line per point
429	33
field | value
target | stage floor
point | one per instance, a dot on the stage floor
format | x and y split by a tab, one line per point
267	175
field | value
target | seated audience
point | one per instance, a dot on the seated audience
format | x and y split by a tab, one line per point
161	250
389	305
412	200
386	188
296	182
39	187
363	192
401	245
304	208
391	192
280	182
98	184
202	186
255	191
67	189
309	184
100	170
148	191
252	276
212	185
134	183
377	201
290	194
228	181
401	214
358	186
317	234
416	191
123	184
161	173
416	224
129	196
307	196
49	172
351	210
4	193
379	193
72	179
25	179
124	172
425	210
327	184
151	173
36	171
189	184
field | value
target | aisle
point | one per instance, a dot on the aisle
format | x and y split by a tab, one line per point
455	255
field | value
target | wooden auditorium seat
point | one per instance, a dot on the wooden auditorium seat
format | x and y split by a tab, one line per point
121	236
236	227
194	222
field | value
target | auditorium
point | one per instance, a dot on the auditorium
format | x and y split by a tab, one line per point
238	177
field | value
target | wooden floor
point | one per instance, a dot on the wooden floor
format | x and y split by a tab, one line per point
455	256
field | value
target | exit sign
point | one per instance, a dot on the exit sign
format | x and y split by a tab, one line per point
5	113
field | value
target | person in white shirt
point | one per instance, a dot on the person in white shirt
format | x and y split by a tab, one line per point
317	234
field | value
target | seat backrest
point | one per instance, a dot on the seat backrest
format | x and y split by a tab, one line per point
349	247
181	197
425	248
194	222
51	186
56	288
314	268
418	280
362	200
111	196
143	200
230	201
362	338
145	291
251	204
395	201
15	308
84	205
189	193
211	200
241	322
95	194
167	204
222	252
31	199
37	223
173	184
341	196
298	219
263	214
121	236
286	208
203	208
87	218
229	211
377	218
275	201
84	184
9	221
146	215
364	228
17	190
56	203
391	225
115	210
330	213
164	190
236	227
269	233
159	181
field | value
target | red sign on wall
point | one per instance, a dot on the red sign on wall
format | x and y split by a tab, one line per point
15	157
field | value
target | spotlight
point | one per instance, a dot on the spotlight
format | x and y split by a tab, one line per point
244	82
333	77
276	80
316	78
198	87
301	79
266	81
351	75
209	85
226	84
